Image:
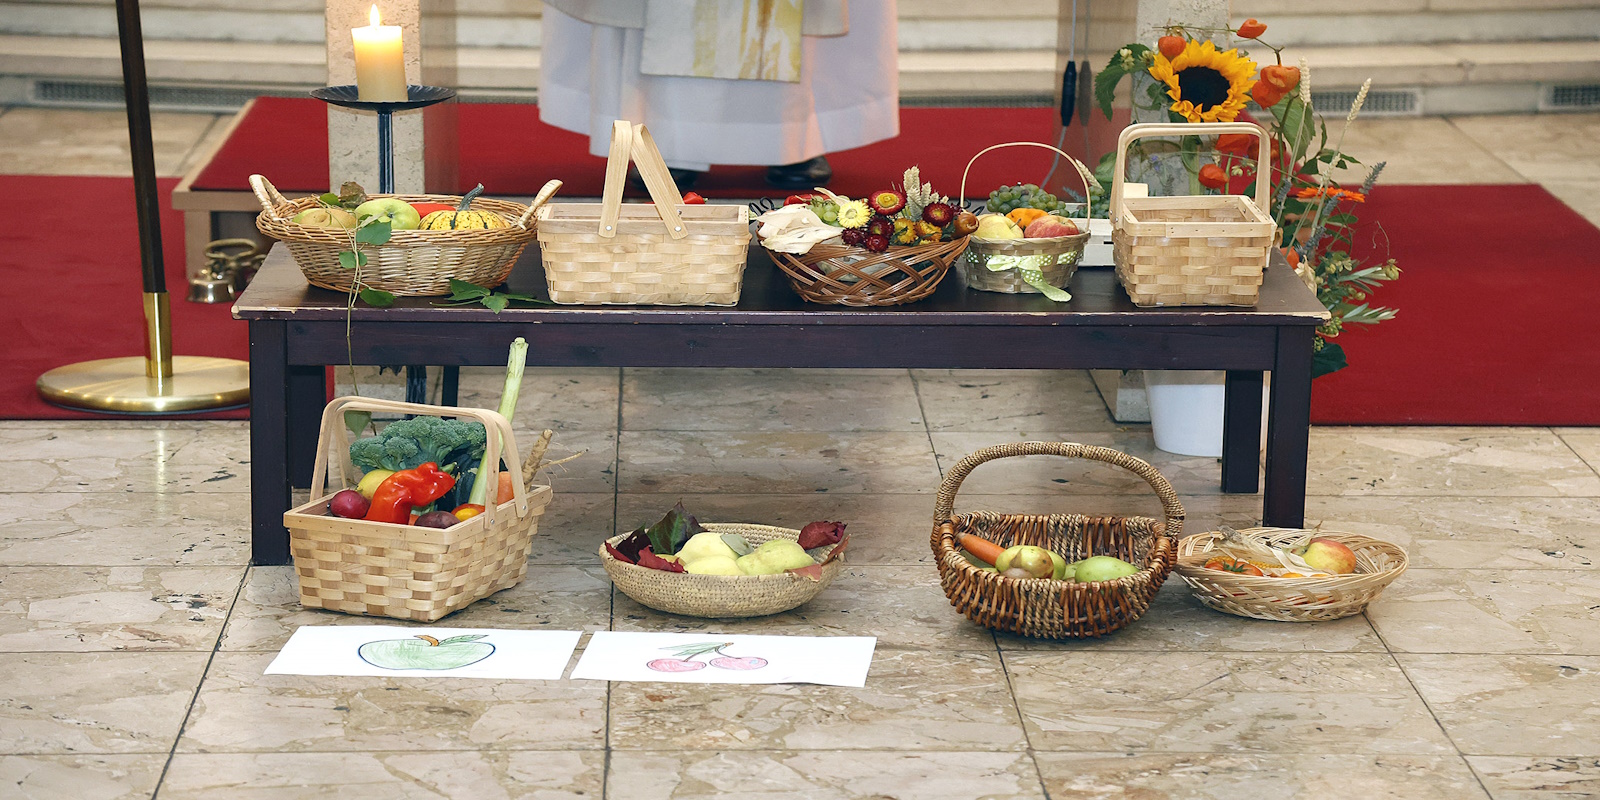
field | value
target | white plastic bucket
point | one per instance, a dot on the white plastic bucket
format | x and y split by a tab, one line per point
1186	410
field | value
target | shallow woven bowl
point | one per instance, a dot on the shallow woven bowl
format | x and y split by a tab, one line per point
1378	563
721	596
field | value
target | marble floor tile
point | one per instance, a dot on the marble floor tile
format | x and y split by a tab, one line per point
1462	462
1491	611
1048	474
769	400
84	703
1584	442
82	142
1512	704
125	459
572	528
562	399
1199	776
1471	532
1009	400
935	700
790	462
83	609
124	528
822	775
110	777
1536	778
239	710
904	607
1578	195
514	775
549	598
1192	702
1423	150
1540	147
595	471
1177	622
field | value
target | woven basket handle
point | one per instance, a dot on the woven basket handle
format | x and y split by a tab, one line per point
1083	173
335	435
544	195
634	142
945	503
267	195
1132	132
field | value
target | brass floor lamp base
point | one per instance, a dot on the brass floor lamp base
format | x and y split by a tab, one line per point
120	385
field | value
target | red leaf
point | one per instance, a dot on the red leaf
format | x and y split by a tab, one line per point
636	543
821	534
812	573
617	554
837	551
652	561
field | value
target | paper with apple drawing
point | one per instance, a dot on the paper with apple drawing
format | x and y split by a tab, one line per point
726	658
426	652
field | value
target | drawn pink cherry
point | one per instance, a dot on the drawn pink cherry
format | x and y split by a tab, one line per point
732	662
674	665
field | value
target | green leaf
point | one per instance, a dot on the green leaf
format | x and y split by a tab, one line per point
1328	360
373	231
350	259
525	298
738	544
328	199
357	421
463	290
1105	83
1299	125
466	637
668	535
377	298
351	194
496	302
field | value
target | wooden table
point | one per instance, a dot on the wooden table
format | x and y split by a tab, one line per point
296	329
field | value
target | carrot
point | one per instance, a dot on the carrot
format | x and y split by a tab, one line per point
505	493
985	550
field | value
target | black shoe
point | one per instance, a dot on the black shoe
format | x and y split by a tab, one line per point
684	178
804	175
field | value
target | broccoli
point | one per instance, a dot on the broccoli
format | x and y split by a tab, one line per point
453	444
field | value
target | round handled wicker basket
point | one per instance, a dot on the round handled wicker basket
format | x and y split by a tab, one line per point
413	263
1052	609
724	596
995	265
1378	563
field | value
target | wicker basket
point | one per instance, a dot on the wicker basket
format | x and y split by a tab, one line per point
408	572
996	265
1378	563
841	275
413	263
667	253
724	596
1051	609
1191	251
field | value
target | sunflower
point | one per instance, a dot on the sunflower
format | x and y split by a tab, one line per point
1206	85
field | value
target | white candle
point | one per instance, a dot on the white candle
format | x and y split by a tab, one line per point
380	62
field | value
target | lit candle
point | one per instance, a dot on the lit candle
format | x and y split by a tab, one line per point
380	62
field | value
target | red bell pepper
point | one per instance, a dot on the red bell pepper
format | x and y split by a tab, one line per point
693	199
803	198
395	497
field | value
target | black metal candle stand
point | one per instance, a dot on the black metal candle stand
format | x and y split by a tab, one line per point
348	96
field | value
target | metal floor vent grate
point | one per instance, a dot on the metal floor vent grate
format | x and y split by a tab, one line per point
1571	98
164	98
979	101
1379	103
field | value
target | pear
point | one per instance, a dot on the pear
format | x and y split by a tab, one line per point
1103	568
774	557
1037	562
703	545
712	565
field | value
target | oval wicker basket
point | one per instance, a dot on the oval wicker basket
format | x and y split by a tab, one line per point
1378	563
724	596
1051	609
1056	258
841	275
413	263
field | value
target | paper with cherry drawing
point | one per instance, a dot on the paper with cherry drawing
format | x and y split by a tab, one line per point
430	652
726	658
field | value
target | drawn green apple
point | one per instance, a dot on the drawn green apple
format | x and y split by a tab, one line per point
426	652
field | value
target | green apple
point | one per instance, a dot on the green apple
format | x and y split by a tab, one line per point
712	565
398	213
1103	568
774	557
1035	561
1063	569
991	226
426	652
704	545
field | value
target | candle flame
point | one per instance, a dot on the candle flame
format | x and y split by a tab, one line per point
373	17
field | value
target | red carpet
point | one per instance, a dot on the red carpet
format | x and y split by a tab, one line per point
1496	302
73	291
511	152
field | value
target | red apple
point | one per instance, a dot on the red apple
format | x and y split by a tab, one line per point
1328	555
349	504
1050	226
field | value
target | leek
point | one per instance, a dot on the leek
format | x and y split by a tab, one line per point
508	407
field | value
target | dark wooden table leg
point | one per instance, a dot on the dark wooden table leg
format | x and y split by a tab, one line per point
307	396
1241	433
269	451
450	386
1289	430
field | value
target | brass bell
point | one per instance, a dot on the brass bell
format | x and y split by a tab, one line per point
230	264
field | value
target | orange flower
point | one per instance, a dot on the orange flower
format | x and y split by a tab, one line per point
1311	192
1213	177
1251	29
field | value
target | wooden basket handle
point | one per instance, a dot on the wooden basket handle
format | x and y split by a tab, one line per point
945	502
545	193
335	434
633	142
1132	132
1083	173
267	195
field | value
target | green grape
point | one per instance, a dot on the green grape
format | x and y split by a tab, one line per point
830	215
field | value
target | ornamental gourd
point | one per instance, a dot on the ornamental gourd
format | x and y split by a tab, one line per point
463	218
